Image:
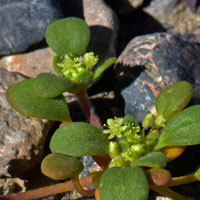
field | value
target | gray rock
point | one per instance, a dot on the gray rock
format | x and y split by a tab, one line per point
151	62
23	23
160	9
21	138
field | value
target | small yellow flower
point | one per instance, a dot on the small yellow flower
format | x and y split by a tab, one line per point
89	59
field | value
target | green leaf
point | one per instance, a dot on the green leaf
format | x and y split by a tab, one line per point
173	99
22	97
59	166
129	183
79	139
153	159
108	63
57	69
79	78
182	130
197	174
83	80
68	36
130	119
49	86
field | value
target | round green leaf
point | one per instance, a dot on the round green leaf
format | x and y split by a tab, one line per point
68	36
182	130
49	86
79	139
22	97
173	99
59	167
128	183
153	159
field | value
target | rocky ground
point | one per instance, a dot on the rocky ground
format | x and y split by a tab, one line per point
157	43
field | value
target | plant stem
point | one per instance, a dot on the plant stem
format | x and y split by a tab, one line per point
48	191
102	161
89	110
182	180
78	187
167	192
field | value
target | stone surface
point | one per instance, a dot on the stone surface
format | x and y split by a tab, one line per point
30	64
151	62
104	27
136	3
21	138
11	185
160	9
193	5
133	22
183	21
24	22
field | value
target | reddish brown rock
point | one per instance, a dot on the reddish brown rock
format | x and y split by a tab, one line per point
29	64
104	27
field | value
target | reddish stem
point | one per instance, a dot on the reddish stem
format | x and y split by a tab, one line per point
47	191
89	110
102	161
78	187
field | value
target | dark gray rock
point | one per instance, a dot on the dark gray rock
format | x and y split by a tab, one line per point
21	138
150	63
23	23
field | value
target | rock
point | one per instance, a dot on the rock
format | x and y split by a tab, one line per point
192	4
160	9
30	64
133	22
104	27
21	138
24	22
183	21
136	3
151	62
11	185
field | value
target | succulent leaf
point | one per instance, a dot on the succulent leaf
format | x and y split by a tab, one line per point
79	139
23	98
49	85
173	99
153	159
68	36
182	130
128	183
59	166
